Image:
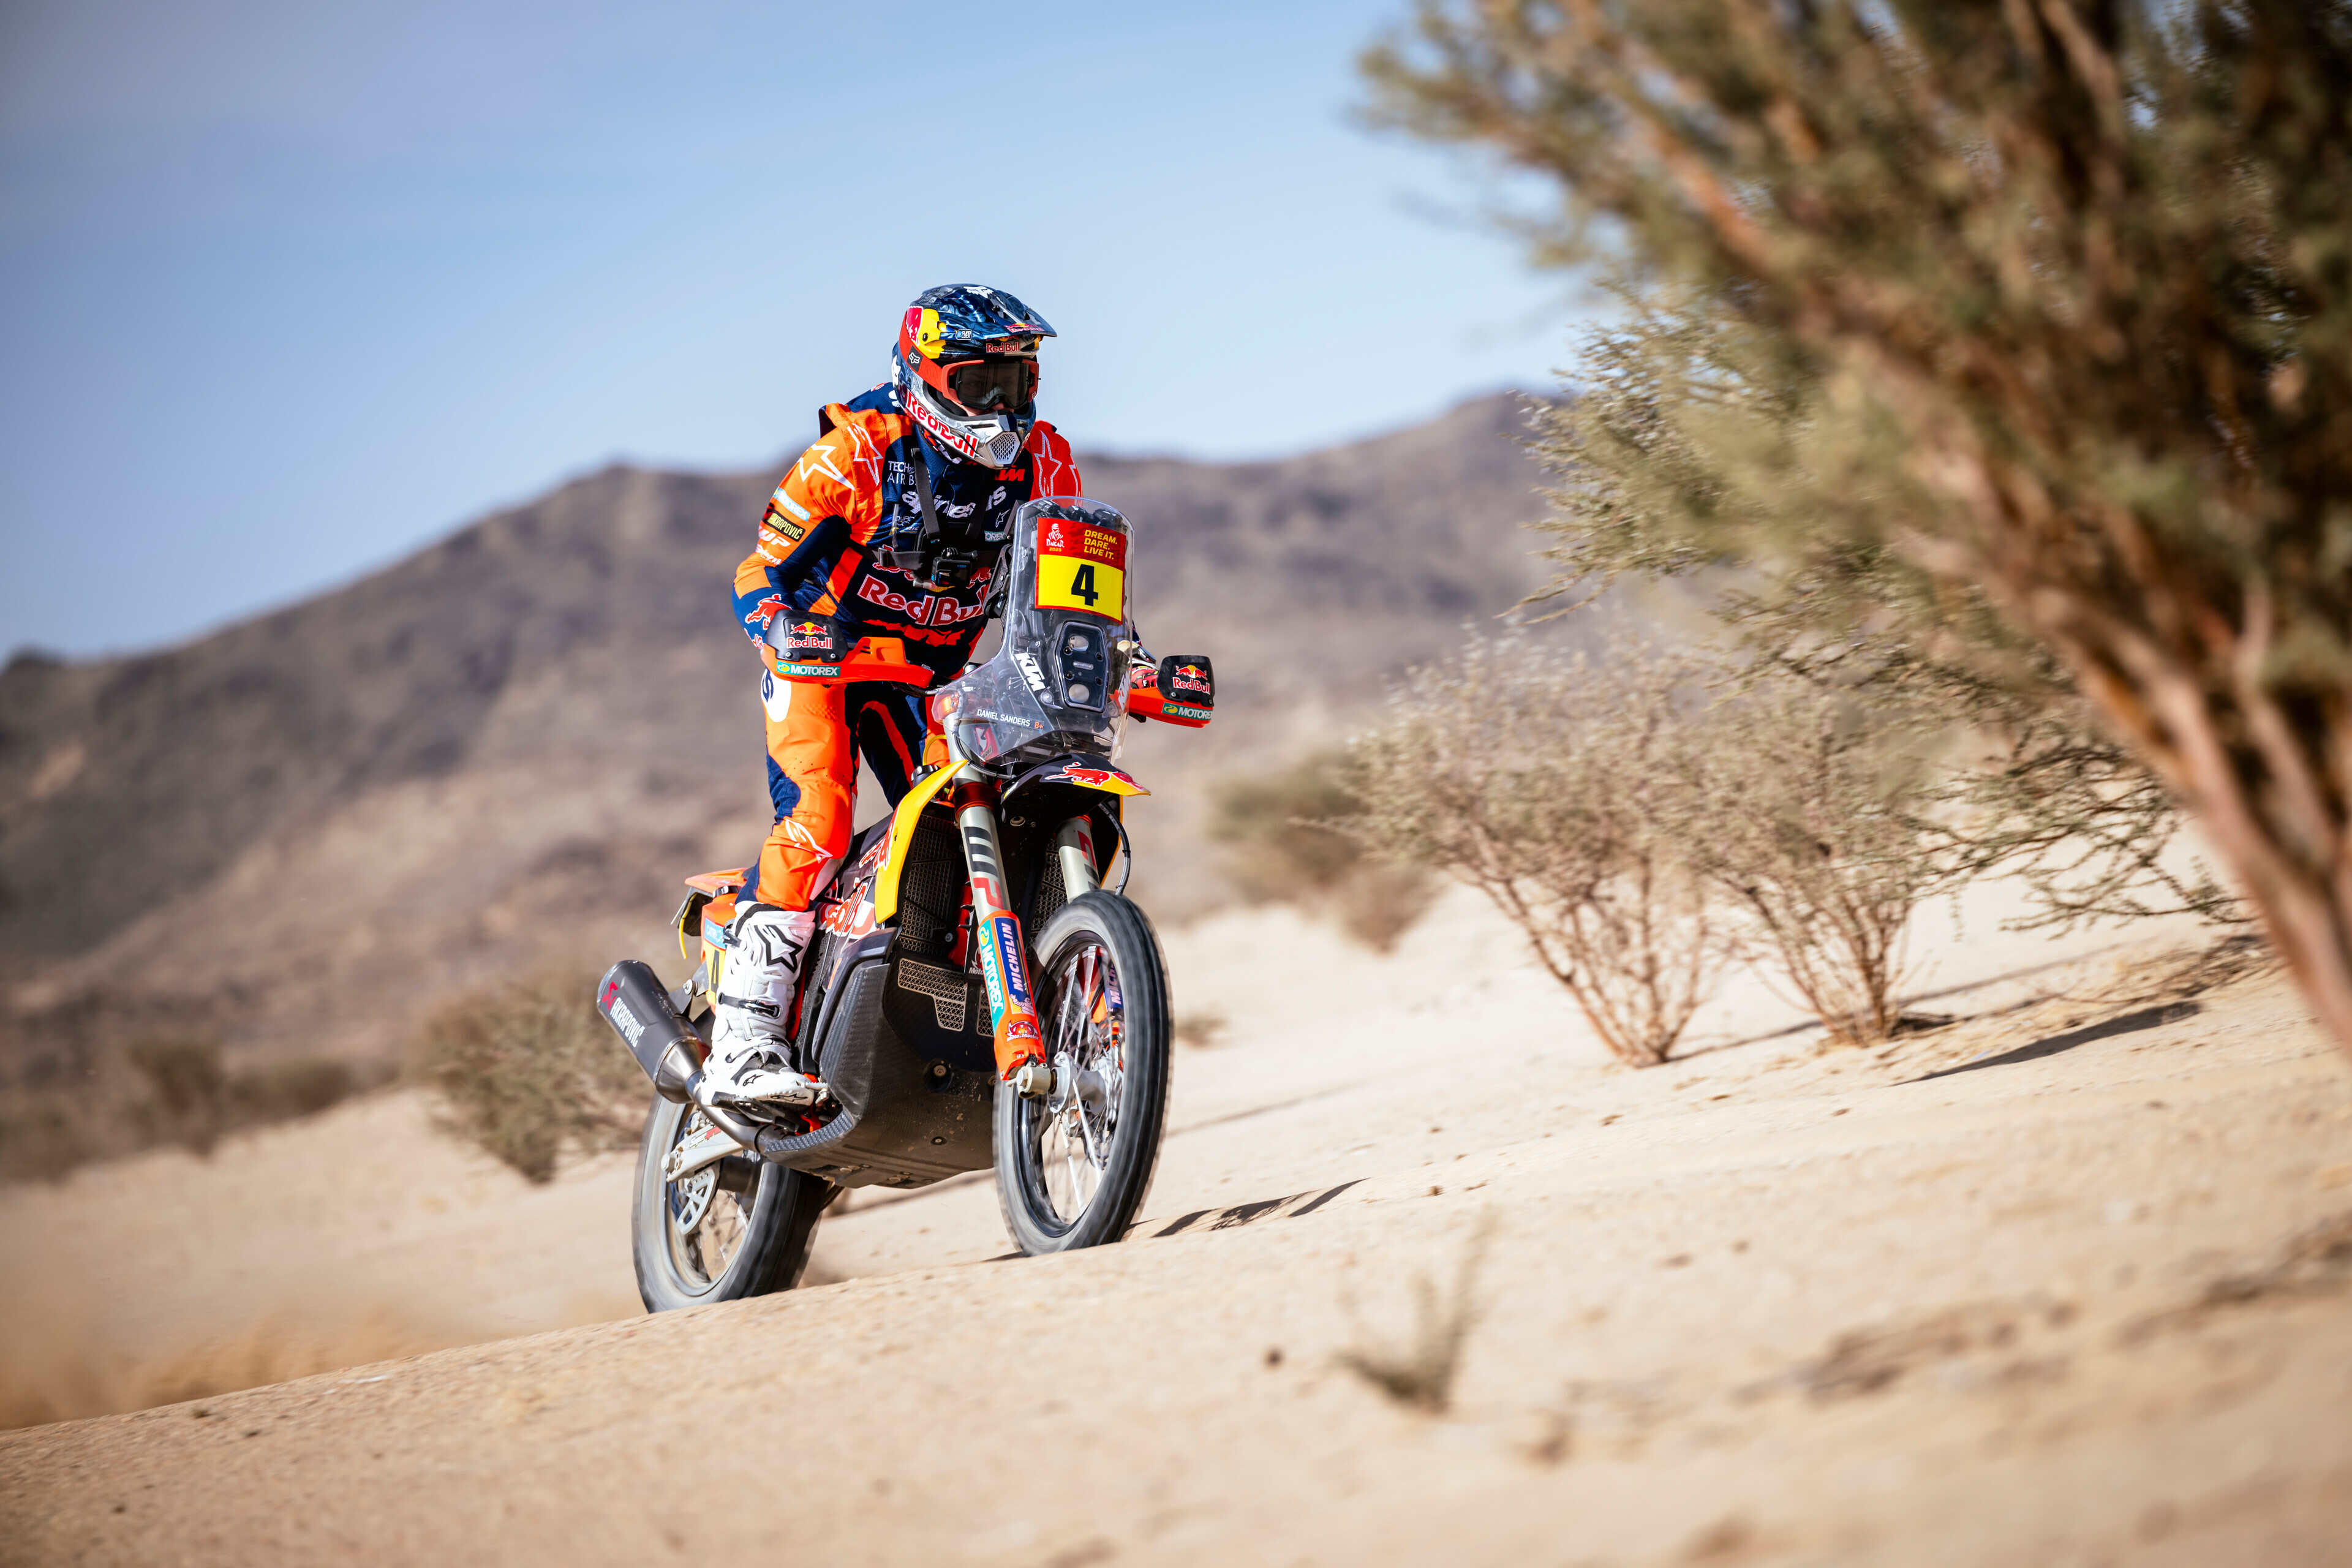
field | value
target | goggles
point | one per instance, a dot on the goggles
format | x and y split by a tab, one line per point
1004	385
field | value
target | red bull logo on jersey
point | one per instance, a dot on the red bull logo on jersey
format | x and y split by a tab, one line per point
926	610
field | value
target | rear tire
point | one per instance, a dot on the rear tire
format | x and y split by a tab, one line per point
754	1222
1038	1144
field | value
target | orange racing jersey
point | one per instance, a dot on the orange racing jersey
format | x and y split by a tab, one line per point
852	497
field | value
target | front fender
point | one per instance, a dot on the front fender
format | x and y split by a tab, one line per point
1079	772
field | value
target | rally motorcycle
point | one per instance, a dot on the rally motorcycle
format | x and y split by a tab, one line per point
974	995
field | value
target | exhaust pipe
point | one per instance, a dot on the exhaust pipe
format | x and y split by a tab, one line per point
671	1054
665	1046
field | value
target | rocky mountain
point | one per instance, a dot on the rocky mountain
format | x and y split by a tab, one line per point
304	829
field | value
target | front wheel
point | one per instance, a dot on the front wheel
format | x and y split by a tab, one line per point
741	1227
1072	1169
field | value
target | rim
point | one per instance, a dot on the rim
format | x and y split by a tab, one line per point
705	1217
1067	1139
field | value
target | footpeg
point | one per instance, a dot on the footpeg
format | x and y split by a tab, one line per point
1033	1081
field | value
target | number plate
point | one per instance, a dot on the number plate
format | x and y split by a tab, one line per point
1081	568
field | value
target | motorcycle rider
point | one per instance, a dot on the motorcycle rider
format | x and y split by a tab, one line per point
890	525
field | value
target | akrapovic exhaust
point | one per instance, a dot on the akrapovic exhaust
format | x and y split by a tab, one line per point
665	1046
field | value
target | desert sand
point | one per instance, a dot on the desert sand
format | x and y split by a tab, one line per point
2068	1280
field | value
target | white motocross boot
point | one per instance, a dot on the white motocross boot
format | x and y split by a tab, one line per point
750	1059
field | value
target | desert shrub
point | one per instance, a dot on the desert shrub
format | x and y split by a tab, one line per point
1645	816
1288	837
1559	790
106	1102
1815	834
187	1092
529	1072
285	1090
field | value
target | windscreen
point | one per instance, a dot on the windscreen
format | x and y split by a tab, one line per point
1057	682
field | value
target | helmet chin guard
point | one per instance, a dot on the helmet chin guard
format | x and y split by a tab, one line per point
986	438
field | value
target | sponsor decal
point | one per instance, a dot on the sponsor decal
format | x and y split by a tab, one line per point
818	459
1020	1029
808	635
848	917
757	616
1008	945
995	984
1081	568
1189	677
930	610
626	1021
785	526
1111	779
924	332
1030	672
1184	711
959	509
787	503
996	498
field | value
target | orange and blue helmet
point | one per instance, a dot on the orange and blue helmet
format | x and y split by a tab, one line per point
967	370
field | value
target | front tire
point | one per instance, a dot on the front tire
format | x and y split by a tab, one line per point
1072	1170
741	1227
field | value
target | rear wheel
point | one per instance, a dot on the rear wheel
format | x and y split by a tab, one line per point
1073	1169
739	1227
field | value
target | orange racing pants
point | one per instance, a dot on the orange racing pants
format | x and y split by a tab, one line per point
816	733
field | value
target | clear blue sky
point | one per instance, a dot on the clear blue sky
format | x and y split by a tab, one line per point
287	290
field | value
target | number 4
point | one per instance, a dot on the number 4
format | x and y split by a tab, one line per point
1082	587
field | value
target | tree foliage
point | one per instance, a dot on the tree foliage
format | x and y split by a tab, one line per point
2066	289
1676	455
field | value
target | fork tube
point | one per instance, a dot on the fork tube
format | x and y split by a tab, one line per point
1075	845
1003	962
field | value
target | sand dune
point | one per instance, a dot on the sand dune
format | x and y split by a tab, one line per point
1768	1304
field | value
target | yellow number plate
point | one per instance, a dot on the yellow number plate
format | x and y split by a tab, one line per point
1081	568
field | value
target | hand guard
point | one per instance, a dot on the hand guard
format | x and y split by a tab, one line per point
1179	689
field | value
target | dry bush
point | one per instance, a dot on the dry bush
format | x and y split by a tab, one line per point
1558	789
528	1071
1421	1372
1288	838
1814	834
1200	1030
110	1103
